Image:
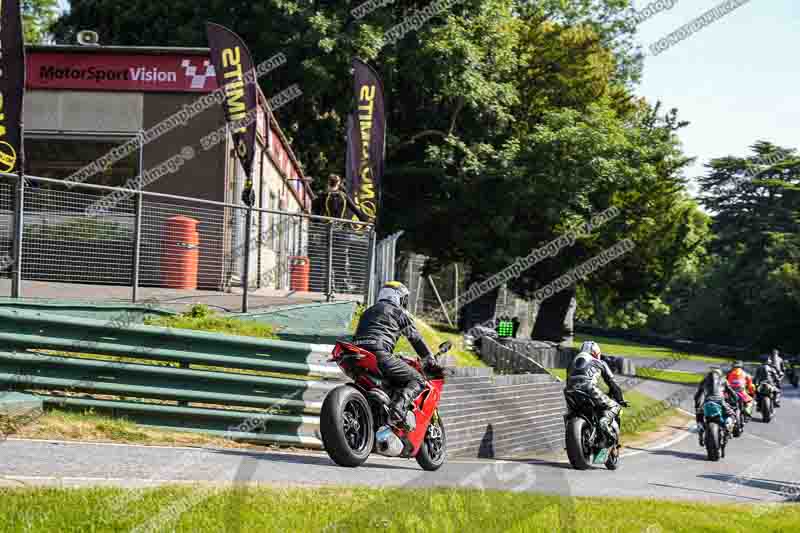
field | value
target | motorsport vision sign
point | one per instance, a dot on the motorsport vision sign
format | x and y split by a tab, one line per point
98	70
12	85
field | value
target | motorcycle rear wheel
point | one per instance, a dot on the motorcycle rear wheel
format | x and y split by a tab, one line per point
713	441
578	451
766	409
432	453
346	426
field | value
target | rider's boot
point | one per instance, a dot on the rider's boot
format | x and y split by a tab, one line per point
702	435
403	404
609	428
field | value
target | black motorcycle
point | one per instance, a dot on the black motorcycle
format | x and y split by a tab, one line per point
765	400
586	443
716	430
793	371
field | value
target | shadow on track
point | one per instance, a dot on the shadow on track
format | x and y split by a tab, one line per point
302	459
538	462
673	453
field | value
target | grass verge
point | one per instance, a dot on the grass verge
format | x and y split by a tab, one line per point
209	509
620	347
200	318
87	426
434	335
671	376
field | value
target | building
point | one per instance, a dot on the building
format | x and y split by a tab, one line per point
83	102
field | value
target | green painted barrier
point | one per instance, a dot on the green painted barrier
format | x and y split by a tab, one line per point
99	311
170	378
27	329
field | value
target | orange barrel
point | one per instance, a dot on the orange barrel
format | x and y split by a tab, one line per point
299	270
181	256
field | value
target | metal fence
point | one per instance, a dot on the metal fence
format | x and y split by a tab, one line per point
142	241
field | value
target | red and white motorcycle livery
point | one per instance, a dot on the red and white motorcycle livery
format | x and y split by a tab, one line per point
356	417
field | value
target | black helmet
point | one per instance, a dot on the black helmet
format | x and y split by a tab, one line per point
394	292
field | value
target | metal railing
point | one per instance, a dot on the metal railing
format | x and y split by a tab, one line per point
130	245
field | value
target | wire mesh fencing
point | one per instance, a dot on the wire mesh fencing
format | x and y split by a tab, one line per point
6	234
437	296
164	241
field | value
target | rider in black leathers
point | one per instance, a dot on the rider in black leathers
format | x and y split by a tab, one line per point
767	372
714	388
776	361
584	374
378	331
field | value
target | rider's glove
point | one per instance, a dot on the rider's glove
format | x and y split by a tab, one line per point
623	403
430	365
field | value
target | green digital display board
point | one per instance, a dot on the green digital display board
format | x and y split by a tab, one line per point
505	328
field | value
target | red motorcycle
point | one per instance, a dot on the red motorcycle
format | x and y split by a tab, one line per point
356	417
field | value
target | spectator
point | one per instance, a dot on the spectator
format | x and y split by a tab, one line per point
336	203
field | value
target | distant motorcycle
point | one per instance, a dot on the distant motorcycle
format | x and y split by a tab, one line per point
765	400
586	444
793	371
717	428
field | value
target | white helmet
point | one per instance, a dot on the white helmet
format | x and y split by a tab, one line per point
591	348
394	292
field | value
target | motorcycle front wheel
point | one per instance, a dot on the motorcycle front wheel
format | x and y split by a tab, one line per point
432	453
612	463
579	448
346	426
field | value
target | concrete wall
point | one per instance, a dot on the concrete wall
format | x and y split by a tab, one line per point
496	416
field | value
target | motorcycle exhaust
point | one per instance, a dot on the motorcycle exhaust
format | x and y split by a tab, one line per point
387	443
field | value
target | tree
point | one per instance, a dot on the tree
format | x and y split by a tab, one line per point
37	17
756	205
508	121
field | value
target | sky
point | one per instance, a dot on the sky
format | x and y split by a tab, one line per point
737	80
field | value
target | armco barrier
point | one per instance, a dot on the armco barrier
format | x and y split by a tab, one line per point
196	381
170	378
100	310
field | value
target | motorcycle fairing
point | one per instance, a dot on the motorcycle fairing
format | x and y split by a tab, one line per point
714	410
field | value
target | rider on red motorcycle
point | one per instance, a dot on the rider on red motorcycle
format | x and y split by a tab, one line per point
741	382
378	331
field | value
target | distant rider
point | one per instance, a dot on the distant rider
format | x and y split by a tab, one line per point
741	382
776	361
584	374
714	388
379	330
769	374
